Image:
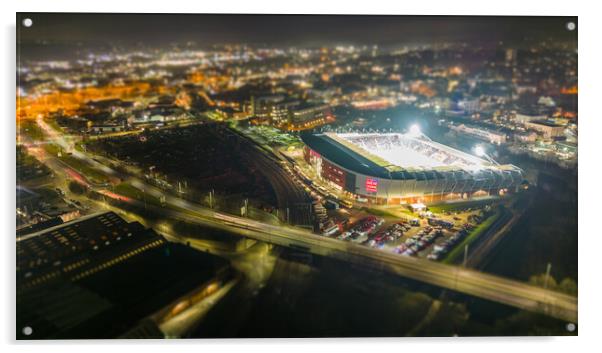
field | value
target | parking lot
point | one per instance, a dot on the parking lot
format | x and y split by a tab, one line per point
425	234
428	233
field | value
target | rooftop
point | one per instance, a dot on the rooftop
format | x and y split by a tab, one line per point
545	123
99	276
396	156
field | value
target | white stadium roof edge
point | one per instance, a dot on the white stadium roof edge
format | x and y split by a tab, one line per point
395	151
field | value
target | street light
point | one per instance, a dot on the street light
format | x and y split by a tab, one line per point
480	152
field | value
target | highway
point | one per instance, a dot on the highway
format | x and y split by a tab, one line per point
509	292
463	280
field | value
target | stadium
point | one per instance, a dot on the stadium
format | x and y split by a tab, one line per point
395	168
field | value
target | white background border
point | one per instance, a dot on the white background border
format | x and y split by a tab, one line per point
590	172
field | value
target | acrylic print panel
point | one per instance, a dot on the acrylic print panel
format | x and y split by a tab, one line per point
205	176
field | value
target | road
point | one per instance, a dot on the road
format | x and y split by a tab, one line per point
463	280
505	291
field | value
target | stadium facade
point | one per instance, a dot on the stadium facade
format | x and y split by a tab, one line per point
394	168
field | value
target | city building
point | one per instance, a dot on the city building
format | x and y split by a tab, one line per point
305	116
481	133
261	107
395	168
548	129
227	113
525	118
102	277
106	128
33	209
510	56
470	105
281	111
526	137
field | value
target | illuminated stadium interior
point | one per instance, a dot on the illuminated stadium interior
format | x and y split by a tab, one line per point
394	168
407	151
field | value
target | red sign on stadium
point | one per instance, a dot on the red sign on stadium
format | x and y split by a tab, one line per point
371	184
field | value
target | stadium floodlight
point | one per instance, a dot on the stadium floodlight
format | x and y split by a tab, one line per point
479	151
414	131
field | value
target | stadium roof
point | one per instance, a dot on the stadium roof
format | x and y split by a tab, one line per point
343	156
347	154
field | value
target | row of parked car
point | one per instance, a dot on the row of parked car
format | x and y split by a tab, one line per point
440	250
392	233
366	232
360	232
420	241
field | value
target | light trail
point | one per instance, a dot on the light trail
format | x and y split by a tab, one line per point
77	177
115	196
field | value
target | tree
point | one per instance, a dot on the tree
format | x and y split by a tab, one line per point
540	281
77	188
568	285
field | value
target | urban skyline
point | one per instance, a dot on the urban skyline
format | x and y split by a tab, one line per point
221	176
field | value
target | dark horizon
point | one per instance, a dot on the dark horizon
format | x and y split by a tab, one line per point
162	30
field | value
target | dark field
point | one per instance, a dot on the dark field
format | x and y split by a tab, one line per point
196	159
319	297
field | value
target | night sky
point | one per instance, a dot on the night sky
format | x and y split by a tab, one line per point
160	30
